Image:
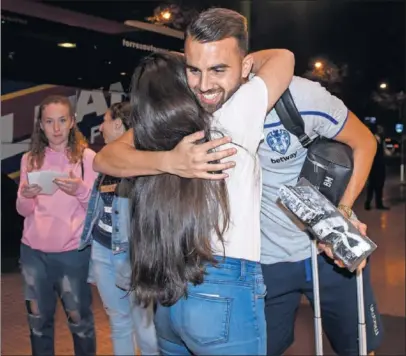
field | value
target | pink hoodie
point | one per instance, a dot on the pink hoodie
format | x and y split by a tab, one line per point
54	223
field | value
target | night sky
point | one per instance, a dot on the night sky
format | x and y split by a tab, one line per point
367	36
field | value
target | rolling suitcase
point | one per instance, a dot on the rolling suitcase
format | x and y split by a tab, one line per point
328	166
362	337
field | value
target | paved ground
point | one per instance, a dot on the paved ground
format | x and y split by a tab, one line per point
15	332
386	228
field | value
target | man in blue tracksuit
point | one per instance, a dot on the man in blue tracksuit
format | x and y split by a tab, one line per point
285	255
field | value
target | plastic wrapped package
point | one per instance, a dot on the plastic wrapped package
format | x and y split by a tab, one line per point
326	223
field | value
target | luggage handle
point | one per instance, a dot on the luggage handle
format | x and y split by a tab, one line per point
318	329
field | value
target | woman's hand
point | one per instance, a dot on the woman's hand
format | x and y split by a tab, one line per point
191	160
68	185
30	191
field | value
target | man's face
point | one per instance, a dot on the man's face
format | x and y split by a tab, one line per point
111	129
215	70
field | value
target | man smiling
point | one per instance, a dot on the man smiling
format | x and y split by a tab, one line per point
214	75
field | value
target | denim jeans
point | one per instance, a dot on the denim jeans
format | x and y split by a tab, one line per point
223	316
130	324
48	276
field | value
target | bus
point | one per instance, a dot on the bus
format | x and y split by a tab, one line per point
40	57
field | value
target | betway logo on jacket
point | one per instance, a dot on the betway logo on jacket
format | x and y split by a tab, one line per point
284	159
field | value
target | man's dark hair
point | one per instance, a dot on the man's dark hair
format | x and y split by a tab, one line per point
217	24
172	218
122	111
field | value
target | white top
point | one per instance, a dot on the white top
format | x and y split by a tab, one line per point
242	118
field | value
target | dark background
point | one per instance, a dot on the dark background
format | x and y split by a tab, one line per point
366	37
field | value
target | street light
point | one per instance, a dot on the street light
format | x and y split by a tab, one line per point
67	45
166	15
318	65
383	85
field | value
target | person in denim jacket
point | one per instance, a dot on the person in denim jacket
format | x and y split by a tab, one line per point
106	229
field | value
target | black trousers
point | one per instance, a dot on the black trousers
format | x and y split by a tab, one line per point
376	183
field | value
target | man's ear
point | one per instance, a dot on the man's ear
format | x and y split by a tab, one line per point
247	63
118	123
119	126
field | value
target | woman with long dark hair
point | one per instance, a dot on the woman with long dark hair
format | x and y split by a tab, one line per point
195	244
180	214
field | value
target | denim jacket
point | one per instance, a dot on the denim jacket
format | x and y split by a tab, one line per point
119	238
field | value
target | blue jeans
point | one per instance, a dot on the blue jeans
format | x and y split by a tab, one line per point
63	274
127	320
223	316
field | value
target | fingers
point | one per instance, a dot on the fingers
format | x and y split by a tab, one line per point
30	191
212	176
192	160
194	137
71	180
208	145
217	167
339	263
69	186
329	253
327	250
211	145
209	171
363	229
64	185
61	180
324	248
68	189
362	265
217	156
32	186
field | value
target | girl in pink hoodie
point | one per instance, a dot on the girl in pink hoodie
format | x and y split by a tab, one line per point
50	263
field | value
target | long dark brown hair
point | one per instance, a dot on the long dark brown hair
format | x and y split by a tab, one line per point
39	142
172	218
